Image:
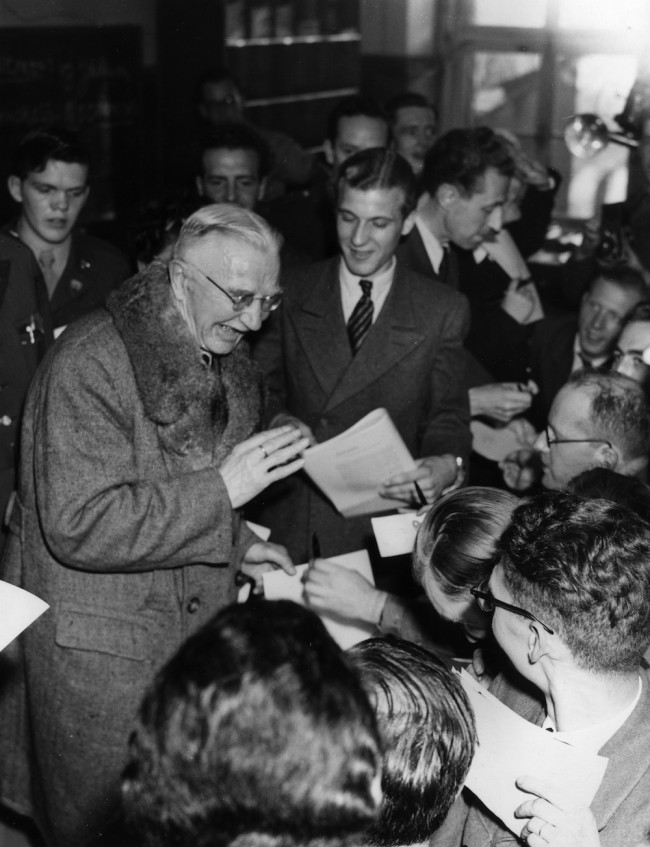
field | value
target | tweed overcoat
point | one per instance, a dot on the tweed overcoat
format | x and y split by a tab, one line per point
125	528
411	363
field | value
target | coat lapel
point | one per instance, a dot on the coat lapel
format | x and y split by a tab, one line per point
395	334
322	331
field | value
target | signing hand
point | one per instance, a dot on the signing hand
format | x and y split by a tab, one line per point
332	588
552	822
260	460
432	473
264	556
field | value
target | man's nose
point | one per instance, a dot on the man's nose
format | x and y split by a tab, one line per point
231	192
495	219
253	316
541	442
359	233
60	200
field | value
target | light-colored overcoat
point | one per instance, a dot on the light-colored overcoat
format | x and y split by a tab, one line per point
125	528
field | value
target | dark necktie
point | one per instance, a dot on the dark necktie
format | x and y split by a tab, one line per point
443	268
361	317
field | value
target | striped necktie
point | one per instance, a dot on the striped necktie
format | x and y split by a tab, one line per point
361	317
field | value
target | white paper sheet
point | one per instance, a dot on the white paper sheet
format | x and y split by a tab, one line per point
278	585
351	467
18	609
262	532
510	747
395	534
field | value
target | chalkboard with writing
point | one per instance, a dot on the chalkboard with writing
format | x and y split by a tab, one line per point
87	79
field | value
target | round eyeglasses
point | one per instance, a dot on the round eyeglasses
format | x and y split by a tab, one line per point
269	303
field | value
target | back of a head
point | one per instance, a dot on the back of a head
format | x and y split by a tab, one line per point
356	105
257	727
583	566
45	144
428	732
619	413
606	484
461	157
380	167
457	540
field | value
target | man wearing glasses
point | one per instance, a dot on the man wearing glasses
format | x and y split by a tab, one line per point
570	601
597	420
139	450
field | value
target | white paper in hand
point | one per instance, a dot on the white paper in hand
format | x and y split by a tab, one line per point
395	534
18	609
510	747
278	585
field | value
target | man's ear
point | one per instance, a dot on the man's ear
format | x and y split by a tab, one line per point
447	195
15	186
537	642
177	279
328	149
199	185
261	191
409	223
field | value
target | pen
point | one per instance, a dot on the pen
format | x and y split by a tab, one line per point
422	499
315	547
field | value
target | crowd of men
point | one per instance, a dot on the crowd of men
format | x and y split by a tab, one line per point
144	416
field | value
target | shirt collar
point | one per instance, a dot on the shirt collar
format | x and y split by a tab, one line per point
435	249
380	282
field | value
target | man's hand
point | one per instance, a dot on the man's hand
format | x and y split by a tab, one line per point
478	668
260	460
501	401
332	588
522	469
264	556
432	473
519	302
284	419
551	821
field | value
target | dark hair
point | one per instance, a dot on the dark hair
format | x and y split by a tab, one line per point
457	540
460	157
624	277
215	76
408	100
43	145
379	167
428	732
357	105
583	566
606	484
257	726
157	226
237	136
619	412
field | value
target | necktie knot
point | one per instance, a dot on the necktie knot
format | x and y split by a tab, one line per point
366	287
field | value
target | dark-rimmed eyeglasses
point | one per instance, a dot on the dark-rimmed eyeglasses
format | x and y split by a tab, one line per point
241	301
551	441
487	602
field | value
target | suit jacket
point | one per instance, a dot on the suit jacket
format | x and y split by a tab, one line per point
94	268
551	360
414	257
124	526
25	335
621	806
411	363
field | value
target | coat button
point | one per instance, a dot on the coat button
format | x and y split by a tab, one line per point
193	605
5	420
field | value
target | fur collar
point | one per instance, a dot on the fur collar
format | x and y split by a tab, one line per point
188	401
